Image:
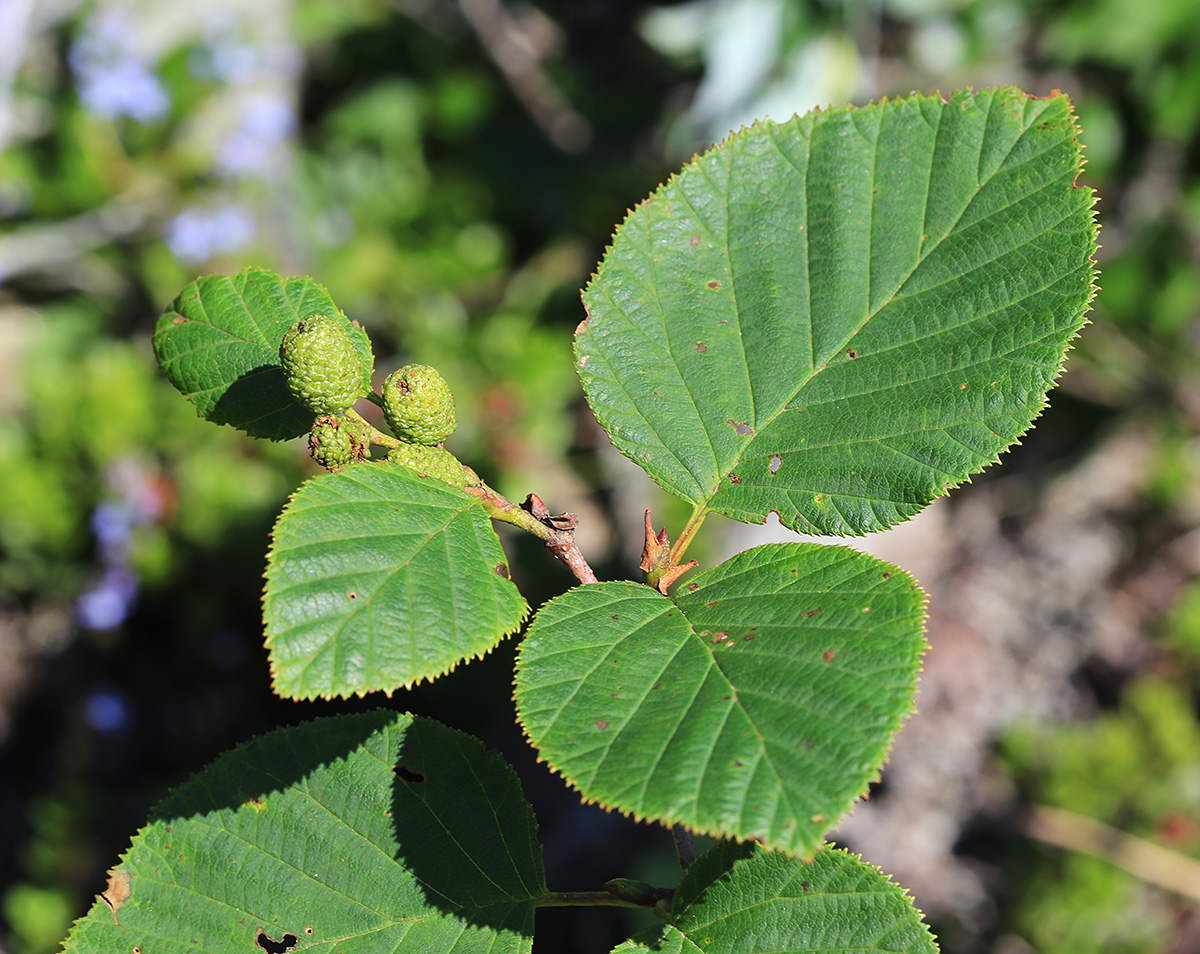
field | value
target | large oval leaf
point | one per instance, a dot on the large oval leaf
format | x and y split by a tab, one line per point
378	578
759	703
218	344
360	833
842	316
739	898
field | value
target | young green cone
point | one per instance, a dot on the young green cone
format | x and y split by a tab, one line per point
337	441
418	405
323	368
436	463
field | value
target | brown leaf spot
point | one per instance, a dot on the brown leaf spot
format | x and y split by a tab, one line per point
828	655
601	725
117	891
808	743
282	946
866	609
748	637
701	347
695	240
712	602
713	284
887	576
818	498
737	763
812	612
735	479
692	586
963	386
776	463
256	803
804	885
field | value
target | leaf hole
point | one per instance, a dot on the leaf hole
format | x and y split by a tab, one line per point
352	595
282	946
408	775
851	354
741	427
308	930
502	570
735	479
776	463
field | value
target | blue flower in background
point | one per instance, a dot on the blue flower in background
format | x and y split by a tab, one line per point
109	601
107	710
255	146
114	79
197	234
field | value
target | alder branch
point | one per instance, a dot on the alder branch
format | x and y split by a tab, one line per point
556	531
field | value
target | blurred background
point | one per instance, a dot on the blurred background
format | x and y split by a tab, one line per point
451	170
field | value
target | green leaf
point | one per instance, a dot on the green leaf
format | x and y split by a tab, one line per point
378	578
218	344
840	317
358	833
758	703
740	898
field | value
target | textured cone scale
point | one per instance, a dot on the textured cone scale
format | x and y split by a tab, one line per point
418	405
323	368
336	441
436	463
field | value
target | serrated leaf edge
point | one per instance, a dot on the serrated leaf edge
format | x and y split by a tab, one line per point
668	820
404	686
1093	288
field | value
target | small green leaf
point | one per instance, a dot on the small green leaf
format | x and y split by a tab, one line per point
758	702
840	317
218	344
378	578
356	834
739	898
